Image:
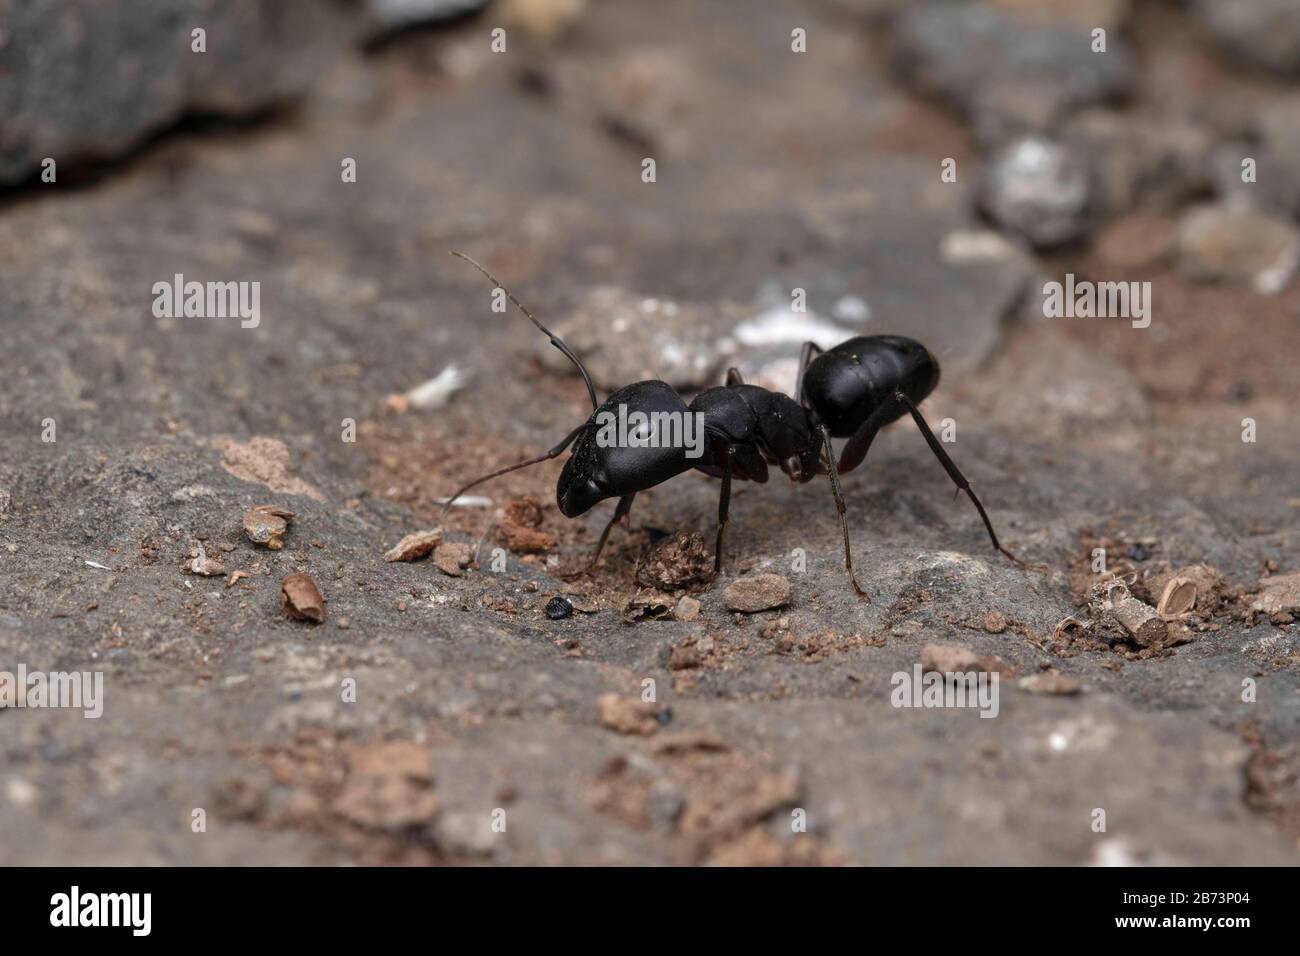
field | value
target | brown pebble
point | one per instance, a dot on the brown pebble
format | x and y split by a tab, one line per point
684	657
418	544
520	539
1050	682
266	525
687	609
757	592
1279	594
235	577
203	565
628	715
452	558
526	512
995	622
301	599
954	659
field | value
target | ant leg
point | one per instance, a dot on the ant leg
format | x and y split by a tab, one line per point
734	377
620	513
833	472
724	504
955	474
805	356
553	453
856	448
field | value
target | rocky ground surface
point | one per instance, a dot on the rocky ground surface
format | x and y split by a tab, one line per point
438	714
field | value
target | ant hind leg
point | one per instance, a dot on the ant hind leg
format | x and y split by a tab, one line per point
958	478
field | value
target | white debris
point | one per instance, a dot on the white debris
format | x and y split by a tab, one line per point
851	308
781	324
435	392
466	501
96	564
975	245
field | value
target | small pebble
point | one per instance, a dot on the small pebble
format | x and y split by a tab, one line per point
1050	682
687	609
757	592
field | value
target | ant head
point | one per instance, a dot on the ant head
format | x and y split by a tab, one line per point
792	439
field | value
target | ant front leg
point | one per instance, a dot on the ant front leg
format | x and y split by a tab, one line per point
833	472
621	512
724	505
955	474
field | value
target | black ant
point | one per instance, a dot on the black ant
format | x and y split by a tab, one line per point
850	391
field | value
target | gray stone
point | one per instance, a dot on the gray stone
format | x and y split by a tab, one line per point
623	337
1008	75
1265	33
1038	189
85	81
1140	159
1236	243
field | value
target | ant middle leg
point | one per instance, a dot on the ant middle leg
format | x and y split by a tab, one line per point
955	474
833	471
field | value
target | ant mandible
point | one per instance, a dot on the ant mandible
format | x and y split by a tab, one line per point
850	391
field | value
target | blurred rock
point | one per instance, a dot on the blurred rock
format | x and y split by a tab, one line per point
398	14
83	81
1137	159
624	338
1275	131
1236	243
1008	75
1049	382
1039	190
1262	32
1086	13
543	21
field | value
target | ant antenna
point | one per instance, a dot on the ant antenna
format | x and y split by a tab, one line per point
555	340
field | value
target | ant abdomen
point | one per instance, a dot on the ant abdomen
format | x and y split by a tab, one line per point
846	384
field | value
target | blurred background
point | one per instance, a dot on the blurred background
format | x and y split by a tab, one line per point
918	167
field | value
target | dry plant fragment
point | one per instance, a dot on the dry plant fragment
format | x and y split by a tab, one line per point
646	604
1179	597
1111	600
301	599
